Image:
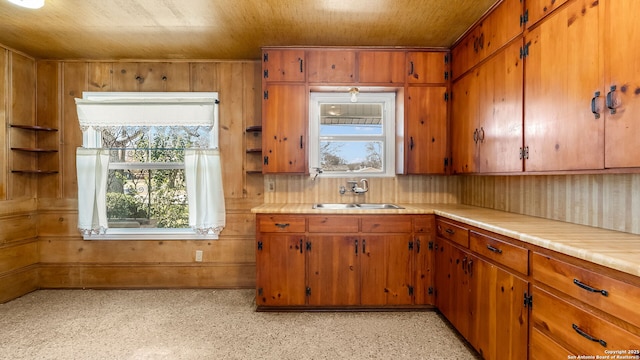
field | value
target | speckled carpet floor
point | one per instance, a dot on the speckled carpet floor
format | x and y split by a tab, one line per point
209	324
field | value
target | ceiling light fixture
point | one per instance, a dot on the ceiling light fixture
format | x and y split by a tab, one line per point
354	94
31	4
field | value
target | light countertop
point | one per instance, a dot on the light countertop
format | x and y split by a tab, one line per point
613	249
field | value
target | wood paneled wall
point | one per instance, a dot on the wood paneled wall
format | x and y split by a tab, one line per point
67	261
18	206
610	201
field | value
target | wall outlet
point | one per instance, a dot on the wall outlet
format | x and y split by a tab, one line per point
199	255
271	185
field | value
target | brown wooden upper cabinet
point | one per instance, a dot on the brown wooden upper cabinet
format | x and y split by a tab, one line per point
536	10
381	67
427	67
562	75
283	65
284	128
502	25
486	120
331	66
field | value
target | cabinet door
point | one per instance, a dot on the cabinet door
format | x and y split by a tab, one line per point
464	123
425	270
562	73
384	67
500	111
501	321
331	66
622	70
284	128
426	130
280	270
387	270
334	270
283	65
427	67
538	9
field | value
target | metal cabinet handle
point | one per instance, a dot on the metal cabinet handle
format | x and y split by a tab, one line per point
450	231
470	267
475	136
418	246
495	250
481	135
282	225
364	246
411	68
595	112
356	246
411	143
587	336
300	246
609	101
301	62
589	288
301	144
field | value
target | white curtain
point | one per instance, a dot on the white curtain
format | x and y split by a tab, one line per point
203	175
92	167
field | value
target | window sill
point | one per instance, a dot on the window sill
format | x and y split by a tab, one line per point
150	234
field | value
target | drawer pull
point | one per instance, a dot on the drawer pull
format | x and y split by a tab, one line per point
589	288
450	231
495	250
587	336
282	226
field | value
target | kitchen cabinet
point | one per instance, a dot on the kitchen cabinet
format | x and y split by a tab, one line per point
500	26
599	309
486	121
381	67
562	74
280	261
344	261
622	84
284	128
427	67
283	65
541	347
331	66
426	130
481	298
536	10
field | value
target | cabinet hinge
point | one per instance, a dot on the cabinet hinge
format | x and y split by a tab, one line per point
446	162
446	96
259	245
528	300
308	291
265	57
265	74
446	58
446	75
410	245
524	51
430	291
410	288
430	245
524	18
266	160
524	153
260	291
265	94
308	245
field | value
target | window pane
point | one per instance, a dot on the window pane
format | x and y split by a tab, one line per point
356	156
153	144
147	198
350	119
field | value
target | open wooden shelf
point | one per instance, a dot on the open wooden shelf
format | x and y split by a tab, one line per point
34	149
35	171
253	129
33	127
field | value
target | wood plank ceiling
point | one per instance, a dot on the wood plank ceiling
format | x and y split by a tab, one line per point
227	29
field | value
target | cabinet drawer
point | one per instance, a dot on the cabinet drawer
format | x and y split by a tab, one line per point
280	223
577	328
453	232
542	347
509	255
621	299
333	224
424	224
386	224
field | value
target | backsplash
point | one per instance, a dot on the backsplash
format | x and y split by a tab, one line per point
400	189
610	201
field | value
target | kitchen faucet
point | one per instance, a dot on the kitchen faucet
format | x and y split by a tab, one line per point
353	186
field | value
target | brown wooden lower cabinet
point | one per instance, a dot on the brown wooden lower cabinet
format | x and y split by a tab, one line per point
344	261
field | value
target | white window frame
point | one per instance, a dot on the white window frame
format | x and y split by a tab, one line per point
93	139
388	101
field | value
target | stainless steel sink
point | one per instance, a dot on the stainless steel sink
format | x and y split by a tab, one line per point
335	206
